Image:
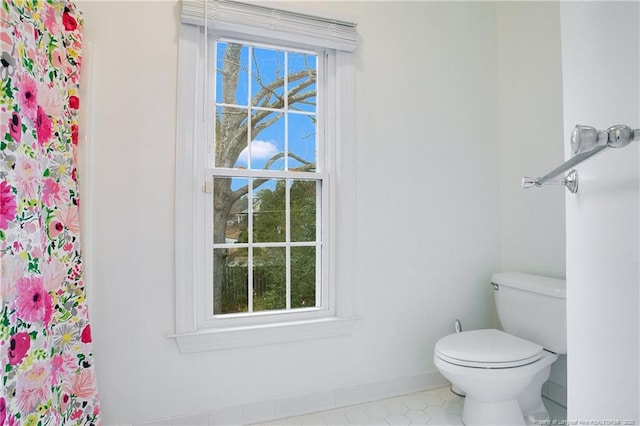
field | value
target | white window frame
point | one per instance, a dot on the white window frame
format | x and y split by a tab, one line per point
195	329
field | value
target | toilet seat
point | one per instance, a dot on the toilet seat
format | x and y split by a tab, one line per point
488	348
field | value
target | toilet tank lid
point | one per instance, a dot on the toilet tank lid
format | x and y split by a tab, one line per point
555	287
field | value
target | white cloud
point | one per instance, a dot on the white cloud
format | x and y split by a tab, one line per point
260	150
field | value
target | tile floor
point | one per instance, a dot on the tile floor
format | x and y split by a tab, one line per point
433	407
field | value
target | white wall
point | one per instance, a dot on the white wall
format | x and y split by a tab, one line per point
531	143
531	136
428	173
601	72
428	202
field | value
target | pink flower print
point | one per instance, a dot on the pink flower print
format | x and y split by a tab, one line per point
76	274
31	300
50	192
76	414
29	31
74	102
33	386
56	58
69	22
3	411
74	134
44	126
61	366
50	21
48	308
27	183
69	216
8	208
53	274
85	336
36	252
82	384
51	100
67	247
6	38
15	127
28	97
64	401
19	345
55	228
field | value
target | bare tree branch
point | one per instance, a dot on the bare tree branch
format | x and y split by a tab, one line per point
264	95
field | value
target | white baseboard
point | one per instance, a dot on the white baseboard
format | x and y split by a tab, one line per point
305	404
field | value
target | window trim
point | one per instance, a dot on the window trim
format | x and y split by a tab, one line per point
191	334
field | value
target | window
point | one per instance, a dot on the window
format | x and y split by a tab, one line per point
265	113
268	181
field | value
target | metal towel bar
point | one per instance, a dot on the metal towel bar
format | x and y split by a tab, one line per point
586	142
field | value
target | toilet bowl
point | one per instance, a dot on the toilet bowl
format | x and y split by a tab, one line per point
502	372
501	375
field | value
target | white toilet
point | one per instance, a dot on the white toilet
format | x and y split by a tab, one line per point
502	372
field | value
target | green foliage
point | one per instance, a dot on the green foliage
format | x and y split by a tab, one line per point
303	277
270	300
7	89
269	271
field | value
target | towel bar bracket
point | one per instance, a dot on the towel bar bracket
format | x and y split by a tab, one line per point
570	181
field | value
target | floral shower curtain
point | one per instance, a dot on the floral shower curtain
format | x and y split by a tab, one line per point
46	359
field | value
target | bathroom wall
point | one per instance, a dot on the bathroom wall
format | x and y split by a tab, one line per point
601	74
428	211
531	138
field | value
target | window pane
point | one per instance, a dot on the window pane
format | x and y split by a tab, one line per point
303	210
302	142
231	137
230	219
303	277
302	81
231	274
232	76
267	78
269	278
268	141
269	211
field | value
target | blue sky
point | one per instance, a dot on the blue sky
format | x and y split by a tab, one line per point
269	64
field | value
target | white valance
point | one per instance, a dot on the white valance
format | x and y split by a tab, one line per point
243	17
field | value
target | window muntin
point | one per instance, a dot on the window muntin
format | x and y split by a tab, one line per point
267	182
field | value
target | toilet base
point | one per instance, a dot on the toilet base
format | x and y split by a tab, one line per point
477	412
530	401
502	396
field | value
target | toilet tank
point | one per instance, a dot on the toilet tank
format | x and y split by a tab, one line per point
533	307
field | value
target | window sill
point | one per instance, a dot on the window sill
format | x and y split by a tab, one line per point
213	339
